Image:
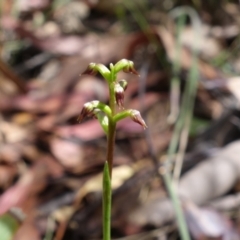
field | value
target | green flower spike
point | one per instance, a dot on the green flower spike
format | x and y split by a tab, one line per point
108	118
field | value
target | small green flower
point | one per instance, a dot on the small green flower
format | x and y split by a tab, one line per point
126	66
87	111
123	83
94	68
136	117
133	114
91	69
91	109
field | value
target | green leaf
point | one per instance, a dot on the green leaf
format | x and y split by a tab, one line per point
8	226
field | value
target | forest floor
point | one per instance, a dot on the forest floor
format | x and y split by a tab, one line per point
188	91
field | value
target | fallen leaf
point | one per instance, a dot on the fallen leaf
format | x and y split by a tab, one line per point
85	131
68	153
8	226
206	222
31	182
27	231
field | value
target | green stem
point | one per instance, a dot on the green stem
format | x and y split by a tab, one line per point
121	115
107	191
112	100
111	140
111	129
107	197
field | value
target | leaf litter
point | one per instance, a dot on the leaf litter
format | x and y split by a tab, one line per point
50	164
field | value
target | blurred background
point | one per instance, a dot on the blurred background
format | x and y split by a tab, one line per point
187	54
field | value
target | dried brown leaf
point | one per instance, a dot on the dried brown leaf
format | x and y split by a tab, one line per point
205	222
85	131
31	182
27	231
68	153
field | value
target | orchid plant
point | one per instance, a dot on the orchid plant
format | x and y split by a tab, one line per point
108	116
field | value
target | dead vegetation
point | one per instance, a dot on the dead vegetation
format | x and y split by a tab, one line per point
50	166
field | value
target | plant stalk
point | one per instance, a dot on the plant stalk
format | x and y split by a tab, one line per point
107	198
111	129
106	114
110	148
107	176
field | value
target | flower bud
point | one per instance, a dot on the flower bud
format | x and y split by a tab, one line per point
123	83
119	94
126	66
88	110
94	68
91	69
136	117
